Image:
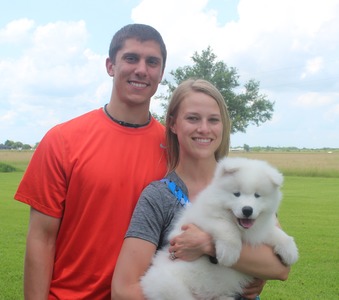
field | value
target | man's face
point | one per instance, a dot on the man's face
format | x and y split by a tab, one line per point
137	71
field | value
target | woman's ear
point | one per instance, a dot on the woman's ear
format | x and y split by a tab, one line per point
172	125
173	129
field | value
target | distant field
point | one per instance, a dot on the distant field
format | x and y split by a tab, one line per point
317	163
311	164
18	159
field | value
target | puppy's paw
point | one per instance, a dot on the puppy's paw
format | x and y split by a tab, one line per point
287	251
227	254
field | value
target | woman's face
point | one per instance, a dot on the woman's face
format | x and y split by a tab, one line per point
198	126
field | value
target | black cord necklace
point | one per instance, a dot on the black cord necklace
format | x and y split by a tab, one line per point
126	124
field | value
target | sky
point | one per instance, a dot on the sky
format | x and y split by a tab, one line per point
52	60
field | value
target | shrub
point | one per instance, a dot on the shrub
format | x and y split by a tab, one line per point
5	168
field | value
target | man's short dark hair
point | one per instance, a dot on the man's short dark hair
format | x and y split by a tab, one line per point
142	33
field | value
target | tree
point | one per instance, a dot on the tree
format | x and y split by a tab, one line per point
26	147
248	107
15	145
9	144
18	145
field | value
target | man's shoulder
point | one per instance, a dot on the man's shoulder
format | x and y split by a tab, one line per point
75	126
157	124
91	116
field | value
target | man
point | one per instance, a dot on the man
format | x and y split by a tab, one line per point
85	177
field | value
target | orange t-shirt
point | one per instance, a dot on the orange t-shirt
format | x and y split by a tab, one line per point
90	172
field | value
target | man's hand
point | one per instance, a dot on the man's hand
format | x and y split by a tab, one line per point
192	243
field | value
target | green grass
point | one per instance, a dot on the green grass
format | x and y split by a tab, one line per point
309	212
13	228
315	172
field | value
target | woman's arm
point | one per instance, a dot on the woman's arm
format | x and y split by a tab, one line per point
134	259
261	262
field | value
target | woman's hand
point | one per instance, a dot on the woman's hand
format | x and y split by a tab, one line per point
253	289
192	243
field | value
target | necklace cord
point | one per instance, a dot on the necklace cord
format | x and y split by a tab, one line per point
126	124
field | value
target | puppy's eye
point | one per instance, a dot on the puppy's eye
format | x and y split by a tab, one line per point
256	195
237	194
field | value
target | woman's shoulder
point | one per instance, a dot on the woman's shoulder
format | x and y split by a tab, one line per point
162	184
158	191
171	190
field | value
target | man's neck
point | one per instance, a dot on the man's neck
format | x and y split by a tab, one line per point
138	115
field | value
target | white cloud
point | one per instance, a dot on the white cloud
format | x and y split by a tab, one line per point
55	43
7	117
313	66
186	26
16	31
315	100
269	38
55	78
332	114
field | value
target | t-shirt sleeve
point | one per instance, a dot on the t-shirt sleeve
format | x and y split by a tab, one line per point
43	185
153	214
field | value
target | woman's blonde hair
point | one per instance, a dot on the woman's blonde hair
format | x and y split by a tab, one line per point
199	86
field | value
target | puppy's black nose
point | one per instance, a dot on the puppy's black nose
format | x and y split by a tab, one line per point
247	211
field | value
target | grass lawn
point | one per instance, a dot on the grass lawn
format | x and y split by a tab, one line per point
13	228
309	212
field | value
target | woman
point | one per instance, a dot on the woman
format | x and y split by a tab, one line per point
197	136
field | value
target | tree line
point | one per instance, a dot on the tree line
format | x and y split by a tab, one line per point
11	145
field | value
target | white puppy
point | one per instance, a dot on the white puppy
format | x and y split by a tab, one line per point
239	206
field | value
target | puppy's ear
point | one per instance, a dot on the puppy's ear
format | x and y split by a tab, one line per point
276	177
224	169
230	171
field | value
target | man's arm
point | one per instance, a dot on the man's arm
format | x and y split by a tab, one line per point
40	252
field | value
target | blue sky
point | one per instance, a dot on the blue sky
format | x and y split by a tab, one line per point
52	57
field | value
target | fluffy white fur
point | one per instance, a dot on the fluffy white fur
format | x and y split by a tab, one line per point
239	206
